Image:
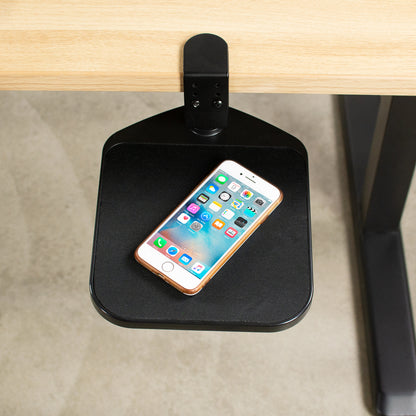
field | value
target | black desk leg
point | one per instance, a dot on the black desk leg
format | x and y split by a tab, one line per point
381	142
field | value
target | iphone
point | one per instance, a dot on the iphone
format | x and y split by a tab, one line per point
205	230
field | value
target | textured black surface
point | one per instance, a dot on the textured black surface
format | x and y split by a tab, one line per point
265	286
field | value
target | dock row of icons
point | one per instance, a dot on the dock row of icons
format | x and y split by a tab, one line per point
173	251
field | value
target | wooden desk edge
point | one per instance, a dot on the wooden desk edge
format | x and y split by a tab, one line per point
260	83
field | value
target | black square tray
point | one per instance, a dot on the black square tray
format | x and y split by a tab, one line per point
147	169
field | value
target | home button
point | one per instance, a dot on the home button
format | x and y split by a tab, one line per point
167	266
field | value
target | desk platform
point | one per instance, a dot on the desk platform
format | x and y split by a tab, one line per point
147	169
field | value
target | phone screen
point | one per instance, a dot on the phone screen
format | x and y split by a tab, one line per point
202	230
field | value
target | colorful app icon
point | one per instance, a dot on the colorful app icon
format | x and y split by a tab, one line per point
215	206
212	188
259	201
234	186
202	198
185	259
231	232
183	218
193	208
224	196
237	204
196	226
159	242
228	214
250	212
218	224
240	221
221	179
198	268
205	216
246	194
172	251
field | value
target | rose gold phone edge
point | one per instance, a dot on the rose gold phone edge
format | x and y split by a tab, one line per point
222	261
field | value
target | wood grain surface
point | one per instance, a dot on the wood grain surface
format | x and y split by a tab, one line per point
297	46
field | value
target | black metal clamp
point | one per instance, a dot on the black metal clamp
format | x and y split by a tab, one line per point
205	80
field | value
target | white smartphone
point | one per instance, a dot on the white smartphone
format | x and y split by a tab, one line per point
203	232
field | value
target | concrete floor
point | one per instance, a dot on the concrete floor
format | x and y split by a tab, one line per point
59	357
